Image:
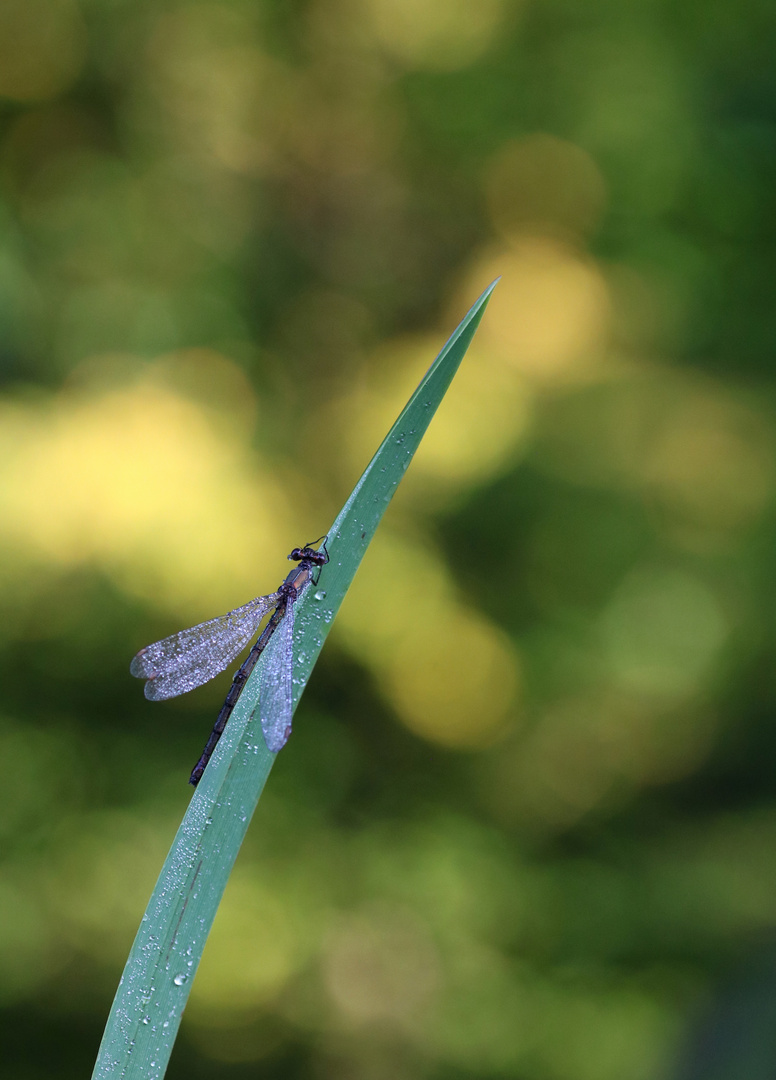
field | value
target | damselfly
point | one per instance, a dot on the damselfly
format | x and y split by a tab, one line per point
188	659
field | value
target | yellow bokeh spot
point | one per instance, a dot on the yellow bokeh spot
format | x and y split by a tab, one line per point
395	576
438	35
453	679
550	314
218	88
152	485
451	675
478	431
255	948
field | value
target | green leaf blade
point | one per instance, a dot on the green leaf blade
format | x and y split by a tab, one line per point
163	961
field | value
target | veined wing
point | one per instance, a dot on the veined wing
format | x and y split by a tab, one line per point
275	686
191	657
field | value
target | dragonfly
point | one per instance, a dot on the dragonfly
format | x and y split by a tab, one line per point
185	660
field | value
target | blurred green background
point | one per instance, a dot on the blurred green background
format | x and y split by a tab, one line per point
526	824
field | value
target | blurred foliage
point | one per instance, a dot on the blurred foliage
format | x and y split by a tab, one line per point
232	236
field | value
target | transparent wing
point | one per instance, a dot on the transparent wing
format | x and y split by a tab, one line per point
275	688
191	657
